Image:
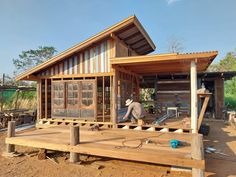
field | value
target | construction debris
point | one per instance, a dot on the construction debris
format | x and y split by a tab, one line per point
94	128
211	150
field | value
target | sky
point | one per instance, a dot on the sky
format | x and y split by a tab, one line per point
199	25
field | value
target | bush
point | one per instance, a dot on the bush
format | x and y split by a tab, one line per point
230	93
230	101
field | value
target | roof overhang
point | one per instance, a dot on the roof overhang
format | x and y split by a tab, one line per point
130	31
165	63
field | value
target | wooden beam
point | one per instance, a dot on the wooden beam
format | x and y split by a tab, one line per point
105	145
132	36
74	140
111	97
114	99
166	58
46	98
203	110
10	148
61	76
121	69
121	42
193	74
39	101
138	41
197	153
103	99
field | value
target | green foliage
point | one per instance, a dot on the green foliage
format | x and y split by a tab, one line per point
31	58
228	63
230	101
230	93
230	86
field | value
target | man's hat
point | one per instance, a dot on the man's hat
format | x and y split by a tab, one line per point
128	102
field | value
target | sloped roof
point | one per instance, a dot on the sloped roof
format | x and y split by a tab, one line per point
165	63
129	30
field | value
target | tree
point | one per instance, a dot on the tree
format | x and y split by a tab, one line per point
228	63
174	45
8	80
30	58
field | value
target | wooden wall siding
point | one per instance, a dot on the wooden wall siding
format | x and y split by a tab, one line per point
219	97
173	93
121	50
92	60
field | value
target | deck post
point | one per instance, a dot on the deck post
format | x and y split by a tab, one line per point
10	148
115	88
197	153
194	109
74	140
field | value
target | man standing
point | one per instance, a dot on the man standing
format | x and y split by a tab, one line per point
135	111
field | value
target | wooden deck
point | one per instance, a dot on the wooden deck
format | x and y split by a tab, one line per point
170	125
115	143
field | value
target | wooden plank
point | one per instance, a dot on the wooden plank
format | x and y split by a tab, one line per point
111	97
219	97
39	99
202	57
76	75
203	110
121	42
10	148
197	153
46	99
103	99
106	144
74	140
194	109
114	98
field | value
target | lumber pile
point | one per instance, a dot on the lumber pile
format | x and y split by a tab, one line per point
20	116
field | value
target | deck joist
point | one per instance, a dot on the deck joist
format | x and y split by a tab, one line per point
149	127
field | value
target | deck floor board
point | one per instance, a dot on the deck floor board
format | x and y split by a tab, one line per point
110	143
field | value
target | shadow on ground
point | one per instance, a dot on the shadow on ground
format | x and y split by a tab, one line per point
223	138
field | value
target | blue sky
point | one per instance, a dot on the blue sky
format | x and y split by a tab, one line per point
200	25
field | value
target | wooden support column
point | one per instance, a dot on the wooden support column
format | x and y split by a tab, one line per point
103	99
39	100
219	97
197	153
74	140
10	148
46	98
114	94
193	75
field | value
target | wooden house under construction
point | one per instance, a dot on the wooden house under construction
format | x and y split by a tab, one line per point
89	83
92	80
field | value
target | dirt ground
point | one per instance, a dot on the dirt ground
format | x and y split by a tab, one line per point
221	137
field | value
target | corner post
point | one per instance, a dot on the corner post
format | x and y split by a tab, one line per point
197	153
74	140
10	148
193	74
115	92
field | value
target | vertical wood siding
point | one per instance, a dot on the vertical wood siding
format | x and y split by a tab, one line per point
91	60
